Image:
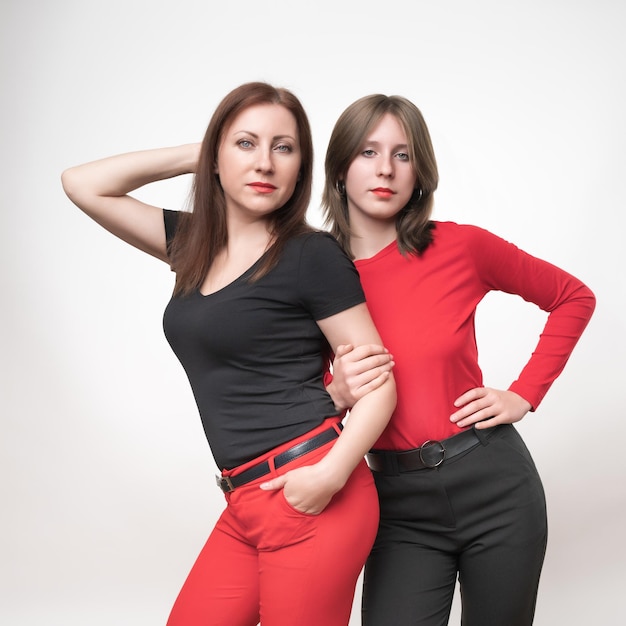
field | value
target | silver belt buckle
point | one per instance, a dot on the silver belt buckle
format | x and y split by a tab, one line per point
429	444
224	483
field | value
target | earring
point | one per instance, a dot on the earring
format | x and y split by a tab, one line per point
340	186
419	194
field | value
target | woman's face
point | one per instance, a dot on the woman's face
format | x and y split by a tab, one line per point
380	180
258	160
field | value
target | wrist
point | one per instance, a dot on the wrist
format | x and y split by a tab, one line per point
331	474
191	155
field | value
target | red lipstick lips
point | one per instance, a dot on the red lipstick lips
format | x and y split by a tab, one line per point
383	192
262	187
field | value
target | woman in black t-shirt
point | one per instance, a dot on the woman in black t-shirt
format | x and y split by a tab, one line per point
259	299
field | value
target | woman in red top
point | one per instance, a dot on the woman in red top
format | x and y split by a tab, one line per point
459	492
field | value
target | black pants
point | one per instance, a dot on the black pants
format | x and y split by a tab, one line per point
481	516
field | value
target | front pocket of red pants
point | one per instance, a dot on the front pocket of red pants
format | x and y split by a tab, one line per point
281	526
310	459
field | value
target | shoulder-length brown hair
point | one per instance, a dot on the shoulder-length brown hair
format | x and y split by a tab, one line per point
413	223
203	232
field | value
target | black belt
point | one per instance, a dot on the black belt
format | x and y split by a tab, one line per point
429	455
229	483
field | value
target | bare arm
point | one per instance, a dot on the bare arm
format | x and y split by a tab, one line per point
357	371
309	489
100	189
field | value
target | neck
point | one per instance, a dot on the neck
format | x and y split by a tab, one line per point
366	242
254	232
368	234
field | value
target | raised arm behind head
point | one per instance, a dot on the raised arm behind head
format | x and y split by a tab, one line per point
100	189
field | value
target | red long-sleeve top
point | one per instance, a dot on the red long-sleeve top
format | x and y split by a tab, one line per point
424	308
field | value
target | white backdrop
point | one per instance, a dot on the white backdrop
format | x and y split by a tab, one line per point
107	490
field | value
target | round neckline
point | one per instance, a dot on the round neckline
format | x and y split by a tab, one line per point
388	249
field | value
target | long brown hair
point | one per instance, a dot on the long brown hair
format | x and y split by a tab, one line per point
203	232
413	223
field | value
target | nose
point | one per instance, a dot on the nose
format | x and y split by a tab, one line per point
385	166
265	162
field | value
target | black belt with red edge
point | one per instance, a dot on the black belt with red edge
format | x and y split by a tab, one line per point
429	455
229	483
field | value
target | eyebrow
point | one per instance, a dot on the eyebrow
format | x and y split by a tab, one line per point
253	134
369	142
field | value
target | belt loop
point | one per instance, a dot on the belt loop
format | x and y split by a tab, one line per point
482	434
271	464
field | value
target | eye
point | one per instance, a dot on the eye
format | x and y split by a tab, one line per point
402	156
368	152
244	143
283	147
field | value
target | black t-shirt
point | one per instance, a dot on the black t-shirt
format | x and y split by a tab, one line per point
253	352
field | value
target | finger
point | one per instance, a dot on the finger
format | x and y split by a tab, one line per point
466	411
373	384
275	483
368	350
373	362
372	375
471	395
476	410
470	420
489	423
371	367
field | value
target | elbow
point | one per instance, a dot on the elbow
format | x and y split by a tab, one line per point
582	301
77	190
592	301
588	300
69	183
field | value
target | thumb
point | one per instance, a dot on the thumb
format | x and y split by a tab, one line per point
275	483
343	349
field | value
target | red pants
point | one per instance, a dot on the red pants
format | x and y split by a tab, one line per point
266	561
